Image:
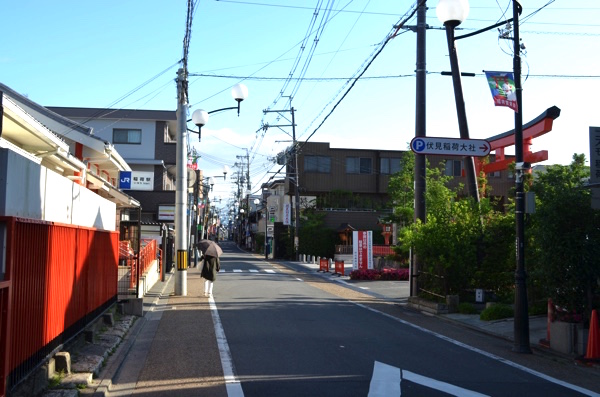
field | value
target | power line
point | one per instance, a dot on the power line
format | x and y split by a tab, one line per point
399	76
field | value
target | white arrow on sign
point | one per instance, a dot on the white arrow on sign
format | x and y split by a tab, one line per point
386	382
450	146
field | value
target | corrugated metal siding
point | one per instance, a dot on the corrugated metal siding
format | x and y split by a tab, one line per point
62	277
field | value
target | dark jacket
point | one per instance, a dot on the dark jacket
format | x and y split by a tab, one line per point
211	267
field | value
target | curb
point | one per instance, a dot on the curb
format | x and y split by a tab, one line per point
534	346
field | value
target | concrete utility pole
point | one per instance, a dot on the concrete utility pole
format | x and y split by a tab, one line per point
296	175
420	131
181	185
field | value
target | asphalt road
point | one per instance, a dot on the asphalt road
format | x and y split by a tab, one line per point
293	333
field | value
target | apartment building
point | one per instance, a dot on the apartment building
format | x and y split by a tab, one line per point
146	140
351	185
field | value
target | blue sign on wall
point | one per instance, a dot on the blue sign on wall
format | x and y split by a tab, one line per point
125	180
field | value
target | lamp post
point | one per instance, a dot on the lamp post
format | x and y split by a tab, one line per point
521	324
239	93
452	13
257	202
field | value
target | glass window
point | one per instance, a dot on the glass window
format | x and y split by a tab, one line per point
365	165
358	165
453	168
389	165
352	165
320	164
123	135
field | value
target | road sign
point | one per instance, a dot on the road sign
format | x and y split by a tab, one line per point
450	146
270	230
125	180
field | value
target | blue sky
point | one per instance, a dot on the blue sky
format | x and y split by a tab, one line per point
125	54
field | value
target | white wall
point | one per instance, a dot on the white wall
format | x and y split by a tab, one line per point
32	191
22	186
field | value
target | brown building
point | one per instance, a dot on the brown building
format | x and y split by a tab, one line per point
352	184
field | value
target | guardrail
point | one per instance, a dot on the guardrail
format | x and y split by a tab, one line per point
131	268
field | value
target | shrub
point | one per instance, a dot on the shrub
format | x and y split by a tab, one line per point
497	312
383	274
467	308
538	308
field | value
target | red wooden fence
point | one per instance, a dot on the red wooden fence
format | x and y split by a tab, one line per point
58	279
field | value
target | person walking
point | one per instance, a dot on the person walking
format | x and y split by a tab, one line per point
212	265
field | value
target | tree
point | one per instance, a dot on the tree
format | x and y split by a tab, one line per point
565	237
315	238
401	189
463	244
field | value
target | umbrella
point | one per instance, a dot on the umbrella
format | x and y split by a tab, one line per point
209	247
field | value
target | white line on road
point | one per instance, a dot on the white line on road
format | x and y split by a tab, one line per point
232	383
486	354
439	385
385	381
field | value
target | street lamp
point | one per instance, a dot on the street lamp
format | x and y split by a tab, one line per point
257	202
452	13
239	92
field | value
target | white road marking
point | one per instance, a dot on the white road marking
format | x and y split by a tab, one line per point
232	383
486	354
385	381
439	385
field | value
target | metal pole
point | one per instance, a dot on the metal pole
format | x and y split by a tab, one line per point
460	108
420	130
181	186
521	324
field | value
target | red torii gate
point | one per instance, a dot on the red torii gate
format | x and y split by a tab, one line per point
537	127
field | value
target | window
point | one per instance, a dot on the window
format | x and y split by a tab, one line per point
453	168
389	165
320	164
124	135
358	165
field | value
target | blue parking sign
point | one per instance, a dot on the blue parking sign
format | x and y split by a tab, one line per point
125	180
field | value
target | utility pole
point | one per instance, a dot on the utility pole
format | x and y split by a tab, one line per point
247	158
181	185
420	131
296	174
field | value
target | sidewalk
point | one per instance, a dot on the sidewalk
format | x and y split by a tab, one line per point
171	350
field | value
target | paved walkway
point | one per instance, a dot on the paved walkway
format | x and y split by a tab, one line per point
172	350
